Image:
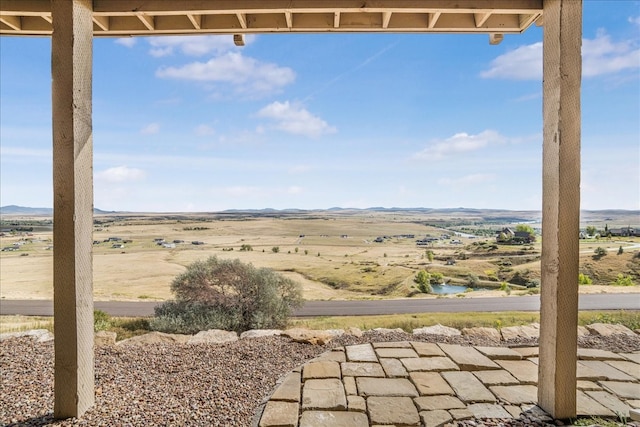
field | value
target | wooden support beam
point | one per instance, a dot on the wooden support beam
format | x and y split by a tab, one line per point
288	16
196	20
71	69
102	22
242	18
480	18
147	20
14	22
562	69
433	19
386	17
336	20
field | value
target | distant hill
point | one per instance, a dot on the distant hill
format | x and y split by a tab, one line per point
23	210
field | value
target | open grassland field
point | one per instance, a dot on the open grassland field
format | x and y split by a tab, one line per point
332	254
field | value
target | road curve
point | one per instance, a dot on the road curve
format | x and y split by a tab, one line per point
356	308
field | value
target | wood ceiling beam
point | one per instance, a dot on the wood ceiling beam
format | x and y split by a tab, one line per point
196	21
14	22
102	22
147	21
481	18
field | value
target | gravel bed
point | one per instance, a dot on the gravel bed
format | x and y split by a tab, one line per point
189	385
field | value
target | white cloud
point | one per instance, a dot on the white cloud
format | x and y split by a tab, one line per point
635	20
6	151
600	56
295	120
463	181
126	41
460	143
120	174
150	129
193	45
246	74
204	130
294	189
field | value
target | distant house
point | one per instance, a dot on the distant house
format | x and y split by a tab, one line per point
113	239
117	246
168	245
624	232
378	239
9	249
197	243
509	237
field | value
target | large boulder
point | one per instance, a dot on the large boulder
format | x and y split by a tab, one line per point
308	336
606	329
103	338
521	332
437	330
39	335
155	338
213	336
489	333
259	333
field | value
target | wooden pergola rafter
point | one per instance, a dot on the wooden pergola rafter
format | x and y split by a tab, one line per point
72	24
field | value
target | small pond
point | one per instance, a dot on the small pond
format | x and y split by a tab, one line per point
445	289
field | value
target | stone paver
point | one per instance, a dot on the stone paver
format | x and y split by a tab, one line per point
609	372
426	349
488	410
525	371
502	353
596	354
393	344
393	368
606	329
436	418
499	377
467	387
393	410
396	352
386	387
361	369
324	394
488	333
626	366
528	351
430	383
624	390
350	385
289	389
461	414
415	383
515	332
587	406
437	330
468	358
436	364
319	370
431	403
356	403
280	414
610	402
516	394
334	419
634	357
361	353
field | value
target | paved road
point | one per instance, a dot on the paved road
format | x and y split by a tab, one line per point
357	308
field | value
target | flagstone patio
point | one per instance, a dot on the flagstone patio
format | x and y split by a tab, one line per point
426	384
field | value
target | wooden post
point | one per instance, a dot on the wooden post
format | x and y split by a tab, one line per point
562	68
71	68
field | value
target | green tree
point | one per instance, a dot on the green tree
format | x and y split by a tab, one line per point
436	278
473	280
246	248
620	250
422	280
527	229
227	294
275	249
430	255
591	230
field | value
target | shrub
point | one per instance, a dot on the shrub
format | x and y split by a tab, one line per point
622	280
620	250
227	294
436	278
473	280
246	248
599	252
583	279
275	249
101	321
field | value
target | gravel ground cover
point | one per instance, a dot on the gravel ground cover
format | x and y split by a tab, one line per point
187	385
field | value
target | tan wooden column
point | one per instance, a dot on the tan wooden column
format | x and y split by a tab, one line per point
71	68
562	69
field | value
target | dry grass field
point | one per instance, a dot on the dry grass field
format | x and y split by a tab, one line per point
333	255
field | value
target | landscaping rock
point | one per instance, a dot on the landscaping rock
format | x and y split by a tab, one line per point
308	336
437	330
155	338
489	333
605	329
213	336
259	333
103	338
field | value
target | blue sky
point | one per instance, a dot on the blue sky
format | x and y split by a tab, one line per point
316	121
